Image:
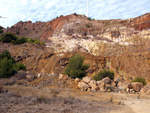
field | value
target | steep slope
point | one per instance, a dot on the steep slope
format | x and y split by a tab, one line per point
119	45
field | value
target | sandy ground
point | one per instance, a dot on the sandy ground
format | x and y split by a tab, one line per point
98	102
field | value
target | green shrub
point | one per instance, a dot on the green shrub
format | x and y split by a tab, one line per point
75	67
87	26
13	39
21	40
8	66
8	37
102	74
36	41
17	32
139	79
30	40
19	66
1	30
6	54
12	27
89	18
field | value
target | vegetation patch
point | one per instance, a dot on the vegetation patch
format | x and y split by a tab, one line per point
1	30
87	25
75	67
8	66
102	74
139	79
11	38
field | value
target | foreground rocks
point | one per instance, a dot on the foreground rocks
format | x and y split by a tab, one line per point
108	85
145	90
137	86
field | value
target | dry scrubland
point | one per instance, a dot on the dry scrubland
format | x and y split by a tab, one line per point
48	94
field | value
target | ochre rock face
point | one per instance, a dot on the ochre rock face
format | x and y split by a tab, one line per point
120	45
80	25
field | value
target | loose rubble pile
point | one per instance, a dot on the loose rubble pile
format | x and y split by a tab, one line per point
108	85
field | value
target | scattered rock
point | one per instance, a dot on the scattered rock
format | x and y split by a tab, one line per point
77	80
29	76
39	75
64	77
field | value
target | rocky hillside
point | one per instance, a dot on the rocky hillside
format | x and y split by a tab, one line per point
119	45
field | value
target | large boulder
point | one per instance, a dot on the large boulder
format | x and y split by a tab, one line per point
122	86
86	79
137	86
83	86
94	88
106	80
102	83
102	87
145	90
92	83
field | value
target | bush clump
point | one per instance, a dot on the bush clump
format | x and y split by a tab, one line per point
102	74
13	39
8	66
139	79
19	41
75	67
1	30
8	37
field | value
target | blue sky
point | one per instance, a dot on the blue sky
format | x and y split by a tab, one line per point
45	10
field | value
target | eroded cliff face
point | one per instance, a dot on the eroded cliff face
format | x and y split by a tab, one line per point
72	32
119	45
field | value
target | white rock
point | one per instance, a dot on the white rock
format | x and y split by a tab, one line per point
94	88
106	80
102	87
77	80
86	79
39	75
28	76
83	86
99	82
61	76
92	83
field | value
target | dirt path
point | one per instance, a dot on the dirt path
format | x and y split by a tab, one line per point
138	105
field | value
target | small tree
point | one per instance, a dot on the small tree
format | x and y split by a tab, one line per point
102	74
8	66
75	67
1	30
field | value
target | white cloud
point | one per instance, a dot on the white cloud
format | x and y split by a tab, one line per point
45	10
